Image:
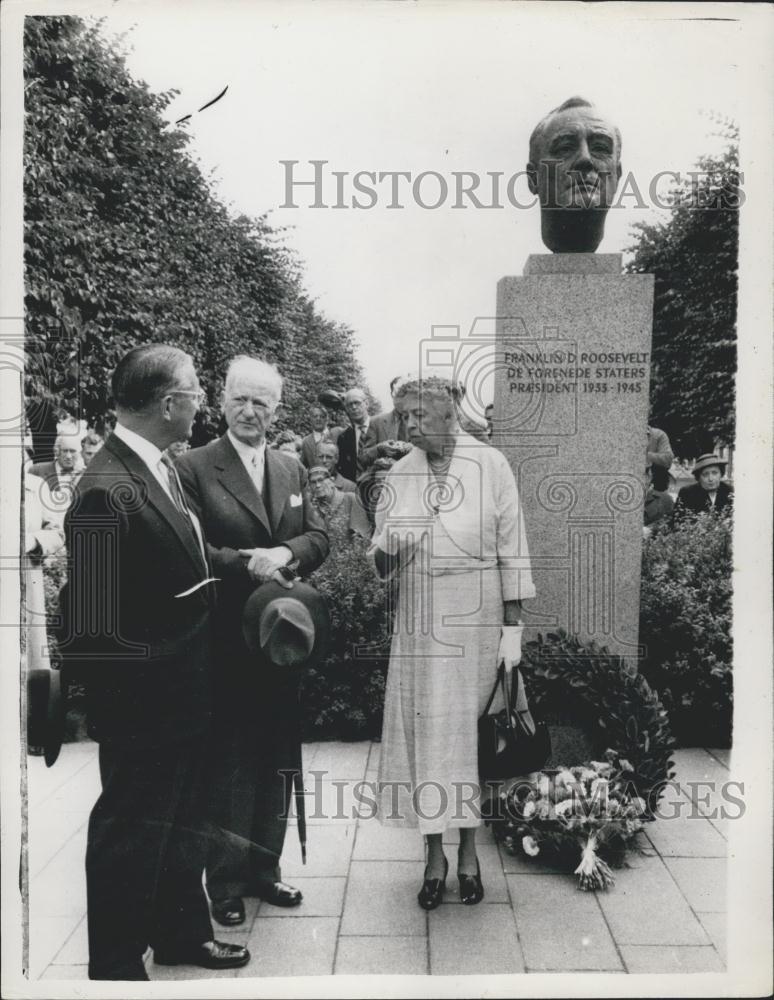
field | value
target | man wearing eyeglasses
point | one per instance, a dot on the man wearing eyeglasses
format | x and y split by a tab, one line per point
137	608
260	525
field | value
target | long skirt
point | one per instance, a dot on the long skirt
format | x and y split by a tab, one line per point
441	673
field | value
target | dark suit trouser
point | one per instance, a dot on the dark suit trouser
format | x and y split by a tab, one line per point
250	786
145	858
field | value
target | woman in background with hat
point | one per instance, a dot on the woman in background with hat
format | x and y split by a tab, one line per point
449	525
709	492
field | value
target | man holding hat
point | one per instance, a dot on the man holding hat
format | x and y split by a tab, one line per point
260	526
709	492
137	608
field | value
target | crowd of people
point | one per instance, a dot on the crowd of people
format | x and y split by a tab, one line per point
664	504
197	732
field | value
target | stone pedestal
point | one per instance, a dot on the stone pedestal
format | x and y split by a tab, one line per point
571	411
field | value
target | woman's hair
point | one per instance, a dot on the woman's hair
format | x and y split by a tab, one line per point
434	388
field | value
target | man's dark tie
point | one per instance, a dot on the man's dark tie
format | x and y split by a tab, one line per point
178	498
401	435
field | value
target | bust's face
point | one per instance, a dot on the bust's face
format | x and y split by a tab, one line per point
577	161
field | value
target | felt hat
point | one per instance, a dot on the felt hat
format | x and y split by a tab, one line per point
45	712
286	627
332	399
705	461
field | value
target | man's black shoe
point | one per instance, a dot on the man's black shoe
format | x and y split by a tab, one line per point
210	955
279	893
229	912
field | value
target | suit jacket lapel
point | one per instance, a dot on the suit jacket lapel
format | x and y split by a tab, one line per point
279	487
159	499
233	475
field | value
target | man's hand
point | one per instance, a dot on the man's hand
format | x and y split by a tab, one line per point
262	564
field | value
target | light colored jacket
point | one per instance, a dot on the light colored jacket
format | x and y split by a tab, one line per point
479	509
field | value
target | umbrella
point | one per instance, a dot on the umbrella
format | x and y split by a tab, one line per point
298	785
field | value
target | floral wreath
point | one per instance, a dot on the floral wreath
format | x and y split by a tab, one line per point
600	804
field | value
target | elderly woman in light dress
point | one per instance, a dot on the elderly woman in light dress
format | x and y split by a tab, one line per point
449	527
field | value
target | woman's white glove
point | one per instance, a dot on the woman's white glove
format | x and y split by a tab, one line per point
509	652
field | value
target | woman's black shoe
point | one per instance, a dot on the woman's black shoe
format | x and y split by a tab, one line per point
431	893
471	887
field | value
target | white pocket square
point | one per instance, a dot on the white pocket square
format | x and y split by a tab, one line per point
296	499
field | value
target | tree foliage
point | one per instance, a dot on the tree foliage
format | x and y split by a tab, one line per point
125	242
685	625
694	257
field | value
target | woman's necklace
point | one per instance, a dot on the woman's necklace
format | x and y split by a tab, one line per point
440	469
440	466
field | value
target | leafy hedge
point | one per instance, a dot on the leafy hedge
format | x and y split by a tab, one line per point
125	243
343	696
685	626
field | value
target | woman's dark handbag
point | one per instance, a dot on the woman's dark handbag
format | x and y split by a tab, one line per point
510	742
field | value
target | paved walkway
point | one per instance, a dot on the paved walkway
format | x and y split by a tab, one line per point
666	912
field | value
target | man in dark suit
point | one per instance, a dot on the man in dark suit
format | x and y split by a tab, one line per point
389	426
137	607
355	439
63	471
709	493
258	519
368	438
319	435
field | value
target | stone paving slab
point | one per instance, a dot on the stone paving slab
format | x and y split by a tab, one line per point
54	890
686	959
703	778
387	843
716	926
360	908
702	882
722	755
329	848
360	956
334	801
647	907
50	933
75	950
66	972
561	928
687	836
42	781
298	946
381	899
473	940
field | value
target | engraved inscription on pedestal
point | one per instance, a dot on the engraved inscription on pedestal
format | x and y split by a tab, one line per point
571	411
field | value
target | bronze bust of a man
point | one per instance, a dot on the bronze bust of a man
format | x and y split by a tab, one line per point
574	168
